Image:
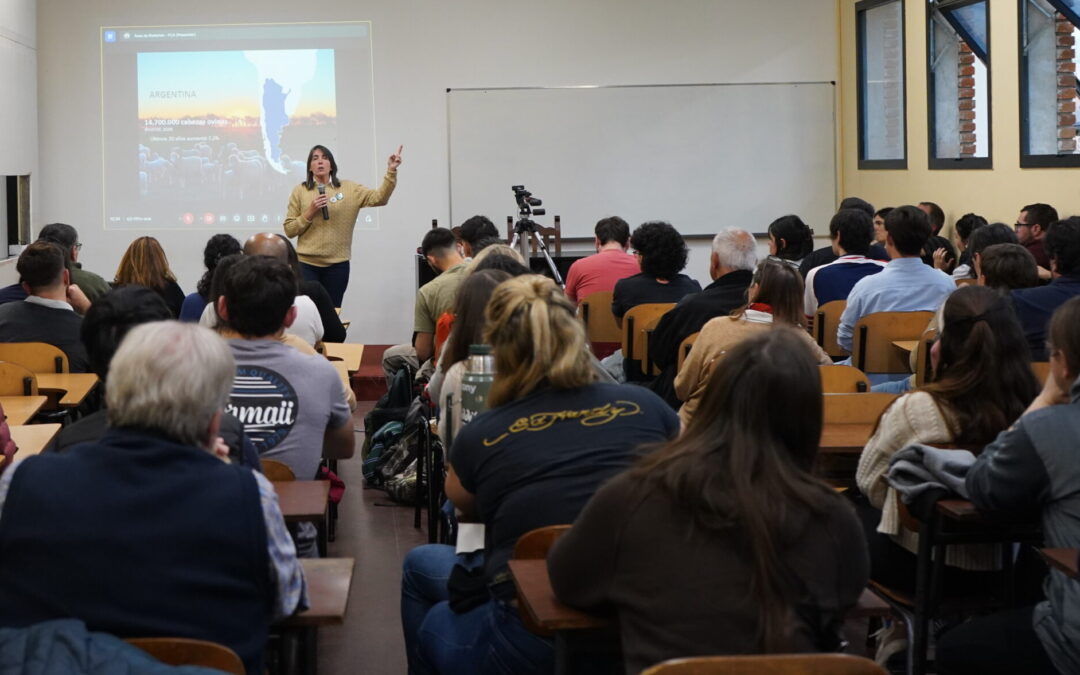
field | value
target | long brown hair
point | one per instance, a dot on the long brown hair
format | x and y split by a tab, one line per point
984	372
144	263
1064	333
472	299
743	464
781	287
537	339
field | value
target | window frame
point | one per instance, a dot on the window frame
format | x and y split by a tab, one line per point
1029	160
957	163
860	78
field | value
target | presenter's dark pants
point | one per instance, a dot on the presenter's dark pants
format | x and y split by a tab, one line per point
334	278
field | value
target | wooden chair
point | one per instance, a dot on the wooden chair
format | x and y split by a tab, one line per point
684	349
636	322
535	544
856	408
921	357
826	320
15	380
175	651
595	312
39	357
552	236
966	282
843	380
277	471
769	664
1041	370
872	350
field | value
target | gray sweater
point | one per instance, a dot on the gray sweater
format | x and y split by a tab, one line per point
1033	467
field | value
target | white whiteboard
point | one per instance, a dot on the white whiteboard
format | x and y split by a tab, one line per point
702	157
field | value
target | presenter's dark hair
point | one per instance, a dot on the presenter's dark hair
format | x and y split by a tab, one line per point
310	182
476	228
936	216
1062	244
219	246
909	228
437	242
111	317
662	249
1040	214
797	237
40	265
258	293
611	229
856	203
855	230
63	235
968	223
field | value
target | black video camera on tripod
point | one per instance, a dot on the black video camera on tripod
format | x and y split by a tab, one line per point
525	226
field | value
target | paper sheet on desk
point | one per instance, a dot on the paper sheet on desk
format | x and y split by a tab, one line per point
470	537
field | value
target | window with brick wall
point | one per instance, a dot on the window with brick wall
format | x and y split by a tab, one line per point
958	91
881	96
1048	84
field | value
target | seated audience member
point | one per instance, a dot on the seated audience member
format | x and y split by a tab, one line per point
1005	267
67	238
49	312
790	240
516	478
106	323
468	330
967	224
611	262
144	264
935	242
982	380
662	254
432	300
879	229
218	246
825	255
484	242
850	231
984	237
292	405
473	231
1035	306
1031	227
736	511
333	329
183	543
1031	468
731	267
906	284
775	300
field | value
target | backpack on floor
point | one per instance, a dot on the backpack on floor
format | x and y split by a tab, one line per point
378	448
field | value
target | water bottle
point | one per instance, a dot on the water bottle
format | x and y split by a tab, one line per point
475	384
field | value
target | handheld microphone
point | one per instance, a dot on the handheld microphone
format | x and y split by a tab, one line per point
325	211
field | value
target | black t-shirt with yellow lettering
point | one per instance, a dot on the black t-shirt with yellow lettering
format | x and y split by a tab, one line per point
536	461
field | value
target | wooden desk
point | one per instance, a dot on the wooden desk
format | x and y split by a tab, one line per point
1062	559
303	501
21	409
845	439
538	599
343	373
348	352
32	438
328	583
73	387
906	346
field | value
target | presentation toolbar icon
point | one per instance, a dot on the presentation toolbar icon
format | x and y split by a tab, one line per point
110	36
188	218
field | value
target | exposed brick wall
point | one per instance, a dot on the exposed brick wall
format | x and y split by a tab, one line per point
1066	81
966	99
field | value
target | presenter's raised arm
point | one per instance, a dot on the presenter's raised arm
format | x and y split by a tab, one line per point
381	195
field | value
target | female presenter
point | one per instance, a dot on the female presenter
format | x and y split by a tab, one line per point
322	214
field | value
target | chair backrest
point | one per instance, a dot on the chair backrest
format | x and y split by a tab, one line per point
15	380
635	322
277	471
534	544
923	367
826	320
552	236
966	282
39	357
872	350
1041	370
595	312
684	349
856	408
176	651
769	664
843	380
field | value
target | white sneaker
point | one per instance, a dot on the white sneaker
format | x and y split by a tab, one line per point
891	640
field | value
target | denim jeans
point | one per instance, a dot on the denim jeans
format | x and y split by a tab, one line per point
334	278
487	639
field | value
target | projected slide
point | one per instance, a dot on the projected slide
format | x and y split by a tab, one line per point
209	127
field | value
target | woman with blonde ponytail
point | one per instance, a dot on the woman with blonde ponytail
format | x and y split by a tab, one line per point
552	436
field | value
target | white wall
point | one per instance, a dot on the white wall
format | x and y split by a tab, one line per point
421	47
18	113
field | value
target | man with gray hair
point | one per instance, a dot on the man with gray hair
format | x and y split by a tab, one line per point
731	266
155	534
